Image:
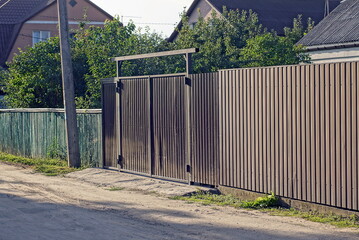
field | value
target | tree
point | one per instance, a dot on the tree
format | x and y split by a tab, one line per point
34	78
113	40
3	76
219	38
232	40
269	49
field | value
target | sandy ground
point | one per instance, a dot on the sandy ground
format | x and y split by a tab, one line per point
79	206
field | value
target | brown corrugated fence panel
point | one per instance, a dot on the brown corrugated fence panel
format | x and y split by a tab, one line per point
291	130
135	110
204	128
169	127
109	125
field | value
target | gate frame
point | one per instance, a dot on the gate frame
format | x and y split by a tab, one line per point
189	69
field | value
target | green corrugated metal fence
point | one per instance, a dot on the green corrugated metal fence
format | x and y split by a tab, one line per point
35	132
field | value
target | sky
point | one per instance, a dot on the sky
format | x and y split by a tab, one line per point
161	16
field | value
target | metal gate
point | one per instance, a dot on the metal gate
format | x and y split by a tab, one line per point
154	120
152	125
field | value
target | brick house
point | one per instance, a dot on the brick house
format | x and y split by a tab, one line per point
24	23
272	14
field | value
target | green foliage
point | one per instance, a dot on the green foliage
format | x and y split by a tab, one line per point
34	78
268	204
114	189
208	198
113	40
233	40
49	167
56	151
269	49
3	76
261	202
219	39
333	219
298	30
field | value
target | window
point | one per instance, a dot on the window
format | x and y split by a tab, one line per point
39	36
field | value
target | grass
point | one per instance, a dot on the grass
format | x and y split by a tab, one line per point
269	204
207	198
332	219
49	167
113	189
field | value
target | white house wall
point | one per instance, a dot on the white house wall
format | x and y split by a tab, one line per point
335	55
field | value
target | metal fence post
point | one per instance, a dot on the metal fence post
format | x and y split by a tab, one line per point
187	110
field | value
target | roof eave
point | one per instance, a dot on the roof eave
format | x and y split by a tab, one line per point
18	28
49	3
331	46
100	9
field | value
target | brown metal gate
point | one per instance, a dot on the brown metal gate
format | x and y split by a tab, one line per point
152	125
168	116
135	142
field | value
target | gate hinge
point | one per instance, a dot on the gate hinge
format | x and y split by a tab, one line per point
188	81
188	168
120	161
119	87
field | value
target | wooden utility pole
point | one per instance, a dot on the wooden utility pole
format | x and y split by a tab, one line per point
73	150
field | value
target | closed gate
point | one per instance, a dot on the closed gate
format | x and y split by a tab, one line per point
154	121
153	141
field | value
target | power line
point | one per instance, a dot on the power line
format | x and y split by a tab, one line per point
5	3
171	24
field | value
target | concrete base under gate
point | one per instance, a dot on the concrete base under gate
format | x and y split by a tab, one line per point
287	202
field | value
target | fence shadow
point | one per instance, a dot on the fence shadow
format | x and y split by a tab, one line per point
25	218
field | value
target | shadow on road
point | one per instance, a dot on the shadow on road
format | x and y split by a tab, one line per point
24	218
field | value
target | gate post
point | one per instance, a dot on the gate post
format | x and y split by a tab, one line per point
187	110
150	147
119	114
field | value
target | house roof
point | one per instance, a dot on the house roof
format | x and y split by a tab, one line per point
338	29
13	13
272	14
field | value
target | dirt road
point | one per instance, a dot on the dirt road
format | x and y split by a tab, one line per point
33	206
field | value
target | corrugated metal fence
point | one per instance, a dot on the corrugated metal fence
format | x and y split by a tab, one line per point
151	126
35	132
204	128
110	123
292	130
